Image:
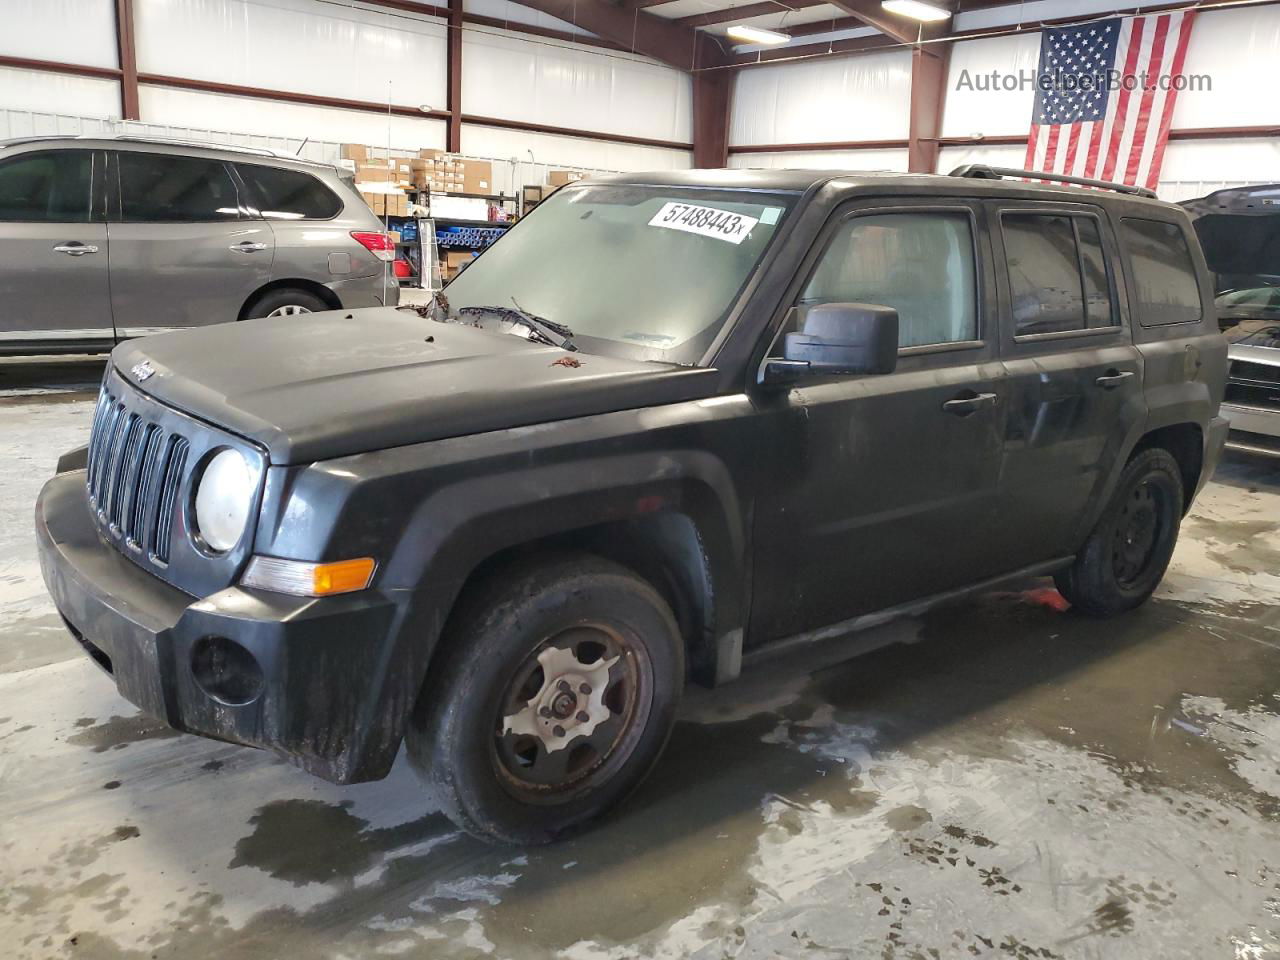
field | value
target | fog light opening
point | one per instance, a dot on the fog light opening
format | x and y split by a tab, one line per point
226	671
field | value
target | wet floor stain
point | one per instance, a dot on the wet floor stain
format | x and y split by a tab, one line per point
119	732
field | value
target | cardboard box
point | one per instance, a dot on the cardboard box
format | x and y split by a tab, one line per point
531	195
558	178
373	173
355	151
377	202
431	154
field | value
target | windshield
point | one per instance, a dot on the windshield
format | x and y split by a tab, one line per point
644	272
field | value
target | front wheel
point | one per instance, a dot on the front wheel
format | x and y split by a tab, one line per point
1126	555
552	696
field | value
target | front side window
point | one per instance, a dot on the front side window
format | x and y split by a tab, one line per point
1163	272
921	264
48	187
157	188
637	271
1058	277
288	194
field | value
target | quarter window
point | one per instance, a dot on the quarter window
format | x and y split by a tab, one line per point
51	187
921	264
1058	277
288	194
156	188
1163	272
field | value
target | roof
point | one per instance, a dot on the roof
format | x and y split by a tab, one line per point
112	139
874	182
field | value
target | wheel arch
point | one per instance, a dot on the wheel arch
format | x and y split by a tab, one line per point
290	283
1185	443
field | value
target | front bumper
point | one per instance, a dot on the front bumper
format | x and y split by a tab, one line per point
330	699
1249	419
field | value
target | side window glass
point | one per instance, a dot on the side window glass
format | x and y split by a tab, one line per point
1163	272
156	188
921	264
288	194
1058	277
48	187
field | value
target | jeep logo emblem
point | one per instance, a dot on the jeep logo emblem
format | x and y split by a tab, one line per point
142	371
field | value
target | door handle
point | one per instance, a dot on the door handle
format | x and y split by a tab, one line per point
247	246
962	406
1113	379
75	248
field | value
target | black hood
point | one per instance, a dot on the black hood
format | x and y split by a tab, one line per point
331	384
1239	229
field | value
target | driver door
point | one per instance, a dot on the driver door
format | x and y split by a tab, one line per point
881	489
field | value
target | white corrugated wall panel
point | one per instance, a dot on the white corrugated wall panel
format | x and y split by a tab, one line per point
892	159
66	31
971	105
1193	168
555	151
58	93
994	156
217	111
866	97
558	84
1236	50
301	46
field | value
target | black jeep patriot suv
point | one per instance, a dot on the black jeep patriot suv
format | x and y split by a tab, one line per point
668	420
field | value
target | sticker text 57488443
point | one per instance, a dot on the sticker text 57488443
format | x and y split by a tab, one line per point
704	221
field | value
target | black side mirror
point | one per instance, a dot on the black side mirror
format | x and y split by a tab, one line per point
838	338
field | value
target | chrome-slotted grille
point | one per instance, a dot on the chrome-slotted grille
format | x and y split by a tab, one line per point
134	473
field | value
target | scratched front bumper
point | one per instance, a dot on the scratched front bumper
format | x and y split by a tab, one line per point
326	679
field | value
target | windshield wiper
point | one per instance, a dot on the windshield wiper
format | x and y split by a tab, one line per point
555	334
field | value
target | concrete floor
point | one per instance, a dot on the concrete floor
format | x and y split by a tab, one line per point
1009	781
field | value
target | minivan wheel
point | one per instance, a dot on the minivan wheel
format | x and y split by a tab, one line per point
552	696
284	303
1126	555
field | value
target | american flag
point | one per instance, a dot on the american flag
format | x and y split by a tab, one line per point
1087	126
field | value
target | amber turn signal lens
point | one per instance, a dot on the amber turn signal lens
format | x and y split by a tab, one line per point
343	576
303	579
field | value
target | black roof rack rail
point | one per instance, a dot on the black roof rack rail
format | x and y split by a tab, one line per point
980	171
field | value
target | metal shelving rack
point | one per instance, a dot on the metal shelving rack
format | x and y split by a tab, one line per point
426	244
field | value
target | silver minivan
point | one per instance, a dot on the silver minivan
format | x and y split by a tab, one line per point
102	239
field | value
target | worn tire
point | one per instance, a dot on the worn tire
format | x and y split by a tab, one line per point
497	627
285	297
1092	584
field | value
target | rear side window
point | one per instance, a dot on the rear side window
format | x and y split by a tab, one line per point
155	188
288	194
1058	277
921	264
51	187
1163	272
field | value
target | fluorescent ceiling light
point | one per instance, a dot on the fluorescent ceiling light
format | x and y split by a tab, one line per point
756	35
916	10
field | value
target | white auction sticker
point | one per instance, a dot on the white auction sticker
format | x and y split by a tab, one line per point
704	221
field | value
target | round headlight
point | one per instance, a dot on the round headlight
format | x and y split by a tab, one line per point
223	500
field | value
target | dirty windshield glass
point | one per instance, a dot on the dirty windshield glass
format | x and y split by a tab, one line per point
648	272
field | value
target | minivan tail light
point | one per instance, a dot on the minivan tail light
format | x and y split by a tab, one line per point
379	244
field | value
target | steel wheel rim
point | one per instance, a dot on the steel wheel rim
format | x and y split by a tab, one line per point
1138	532
288	310
590	750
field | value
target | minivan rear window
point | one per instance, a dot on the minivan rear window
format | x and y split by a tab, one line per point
288	194
1163	272
158	188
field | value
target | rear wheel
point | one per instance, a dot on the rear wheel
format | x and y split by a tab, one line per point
552	697
286	302
1126	555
